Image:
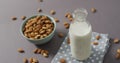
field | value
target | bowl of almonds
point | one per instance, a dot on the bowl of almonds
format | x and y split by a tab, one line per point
38	29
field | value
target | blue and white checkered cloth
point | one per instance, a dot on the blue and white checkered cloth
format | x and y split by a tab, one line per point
98	51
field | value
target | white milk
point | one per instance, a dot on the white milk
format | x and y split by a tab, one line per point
80	35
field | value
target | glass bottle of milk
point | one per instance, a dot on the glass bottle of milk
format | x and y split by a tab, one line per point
80	32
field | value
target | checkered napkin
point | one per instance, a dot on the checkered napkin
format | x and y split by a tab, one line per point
98	51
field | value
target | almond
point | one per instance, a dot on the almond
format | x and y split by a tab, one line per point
39	51
23	17
118	51
95	43
45	54
35	60
117	56
56	20
40	0
116	40
52	12
66	25
68	40
35	50
14	18
60	35
31	60
20	50
25	60
98	37
62	60
39	10
93	10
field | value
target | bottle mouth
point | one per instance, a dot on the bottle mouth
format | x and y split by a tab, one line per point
80	13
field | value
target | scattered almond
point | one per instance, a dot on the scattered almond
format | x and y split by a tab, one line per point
71	19
45	54
116	40
117	56
62	60
35	60
95	43
25	60
66	15
98	37
40	0
52	12
20	50
14	18
56	20
69	16
35	51
66	25
23	17
60	35
31	60
68	40
93	10
42	51
39	10
45	51
39	51
118	51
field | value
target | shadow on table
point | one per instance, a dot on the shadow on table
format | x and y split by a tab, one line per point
110	56
53	45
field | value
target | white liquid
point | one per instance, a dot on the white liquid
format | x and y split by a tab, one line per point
80	38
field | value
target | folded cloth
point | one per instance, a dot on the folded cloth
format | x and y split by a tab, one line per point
97	55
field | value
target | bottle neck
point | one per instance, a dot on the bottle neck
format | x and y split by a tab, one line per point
80	15
79	19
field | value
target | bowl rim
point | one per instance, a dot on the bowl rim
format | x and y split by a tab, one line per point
24	22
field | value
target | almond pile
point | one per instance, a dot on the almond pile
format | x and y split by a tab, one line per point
69	16
38	27
41	51
116	40
31	60
97	38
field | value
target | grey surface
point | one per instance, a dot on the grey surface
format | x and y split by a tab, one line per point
106	20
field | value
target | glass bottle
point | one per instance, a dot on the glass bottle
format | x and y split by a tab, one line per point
80	33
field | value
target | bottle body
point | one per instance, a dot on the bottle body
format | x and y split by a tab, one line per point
80	37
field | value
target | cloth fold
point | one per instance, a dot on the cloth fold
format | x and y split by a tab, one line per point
97	55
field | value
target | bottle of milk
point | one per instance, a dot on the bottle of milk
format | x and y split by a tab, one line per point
80	32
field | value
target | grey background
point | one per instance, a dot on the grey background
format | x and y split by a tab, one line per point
105	20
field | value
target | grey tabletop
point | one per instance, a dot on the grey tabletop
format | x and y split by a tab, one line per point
105	20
